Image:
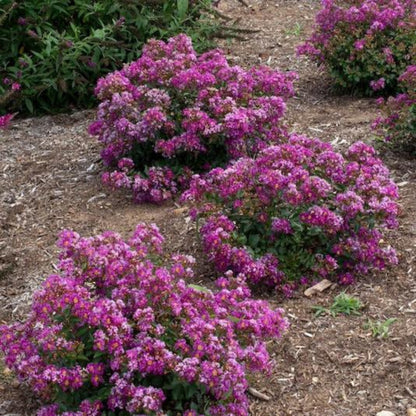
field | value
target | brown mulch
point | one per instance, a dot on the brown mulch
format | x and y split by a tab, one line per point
324	366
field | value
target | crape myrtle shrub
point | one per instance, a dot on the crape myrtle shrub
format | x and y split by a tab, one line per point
119	332
173	112
56	50
298	212
364	44
398	123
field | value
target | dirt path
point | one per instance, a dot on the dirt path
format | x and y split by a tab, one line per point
49	180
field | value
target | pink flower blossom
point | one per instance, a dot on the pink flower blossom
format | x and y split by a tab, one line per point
5	120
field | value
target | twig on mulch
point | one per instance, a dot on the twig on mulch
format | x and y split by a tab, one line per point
258	394
410	392
243	3
239	29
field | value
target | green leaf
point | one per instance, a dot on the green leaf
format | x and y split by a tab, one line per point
234	319
319	310
254	240
190	390
199	288
29	105
182	8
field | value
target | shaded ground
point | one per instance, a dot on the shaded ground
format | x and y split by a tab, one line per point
49	180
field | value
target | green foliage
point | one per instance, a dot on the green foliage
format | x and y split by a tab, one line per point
343	303
380	329
295	30
370	64
57	49
292	250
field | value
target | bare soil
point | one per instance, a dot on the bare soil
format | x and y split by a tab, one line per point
325	366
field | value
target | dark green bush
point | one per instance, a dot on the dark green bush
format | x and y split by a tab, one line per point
57	49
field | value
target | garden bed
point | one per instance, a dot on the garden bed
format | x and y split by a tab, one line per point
325	366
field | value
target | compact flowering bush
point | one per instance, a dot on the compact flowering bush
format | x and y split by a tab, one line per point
398	125
298	212
364	44
172	112
118	333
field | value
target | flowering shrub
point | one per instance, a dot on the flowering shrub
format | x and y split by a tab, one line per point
172	112
364	44
57	50
300	211
399	123
117	333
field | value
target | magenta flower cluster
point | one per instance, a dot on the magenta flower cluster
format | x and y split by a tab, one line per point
364	44
116	332
10	90
5	121
298	212
171	113
397	124
13	88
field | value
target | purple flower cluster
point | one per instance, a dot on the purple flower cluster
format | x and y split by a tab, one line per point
298	212
398	124
172	111
364	44
12	88
117	332
5	121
